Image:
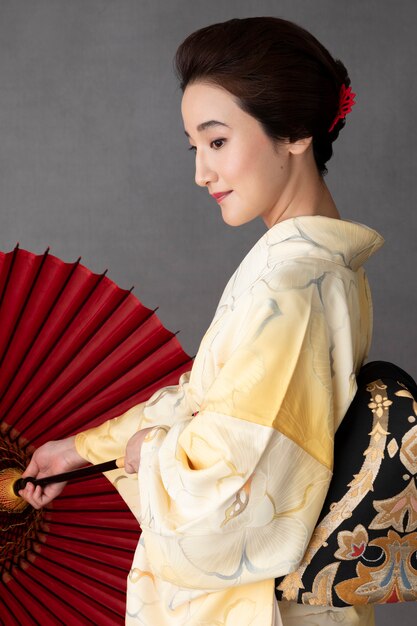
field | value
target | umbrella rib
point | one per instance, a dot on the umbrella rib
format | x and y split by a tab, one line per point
108	492
61	550
33	565
93	543
71	524
85	576
47	316
9	273
98	390
86	373
23	308
34	598
7	608
68	604
99	277
139	389
89	510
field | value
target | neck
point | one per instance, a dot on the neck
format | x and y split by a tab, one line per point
306	193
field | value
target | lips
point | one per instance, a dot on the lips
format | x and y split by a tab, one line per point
220	195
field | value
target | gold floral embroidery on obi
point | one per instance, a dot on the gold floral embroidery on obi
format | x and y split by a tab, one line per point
408	452
379	403
360	486
392	511
404	393
321	593
392	448
395	580
351	544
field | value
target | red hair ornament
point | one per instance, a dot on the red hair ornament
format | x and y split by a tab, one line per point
346	102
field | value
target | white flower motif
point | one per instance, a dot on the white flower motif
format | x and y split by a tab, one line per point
271	532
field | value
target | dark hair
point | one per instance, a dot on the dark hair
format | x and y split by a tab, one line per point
278	72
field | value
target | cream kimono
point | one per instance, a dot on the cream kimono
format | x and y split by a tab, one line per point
234	474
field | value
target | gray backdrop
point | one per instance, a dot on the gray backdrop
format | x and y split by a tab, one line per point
94	162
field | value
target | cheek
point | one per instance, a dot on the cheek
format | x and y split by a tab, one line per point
255	170
263	174
258	163
248	156
237	166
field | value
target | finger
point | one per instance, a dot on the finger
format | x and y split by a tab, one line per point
38	498
27	491
41	498
28	494
130	467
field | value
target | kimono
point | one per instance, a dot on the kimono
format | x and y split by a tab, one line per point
235	470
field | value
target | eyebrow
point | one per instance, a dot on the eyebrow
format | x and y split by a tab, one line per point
209	124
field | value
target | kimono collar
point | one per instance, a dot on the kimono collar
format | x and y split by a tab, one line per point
344	242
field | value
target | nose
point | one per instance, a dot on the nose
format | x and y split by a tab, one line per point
204	174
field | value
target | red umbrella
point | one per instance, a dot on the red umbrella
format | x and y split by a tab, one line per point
75	350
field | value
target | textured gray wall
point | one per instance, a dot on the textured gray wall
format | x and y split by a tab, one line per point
93	160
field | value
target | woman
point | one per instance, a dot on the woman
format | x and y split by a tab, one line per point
232	464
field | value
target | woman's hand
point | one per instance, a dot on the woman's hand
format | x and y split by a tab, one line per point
53	457
133	448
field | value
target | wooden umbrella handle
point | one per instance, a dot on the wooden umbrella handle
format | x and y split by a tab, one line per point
83	472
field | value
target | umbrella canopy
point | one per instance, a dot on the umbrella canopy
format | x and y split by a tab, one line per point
75	350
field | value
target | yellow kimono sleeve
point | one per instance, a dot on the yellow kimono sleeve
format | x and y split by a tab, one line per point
108	441
231	496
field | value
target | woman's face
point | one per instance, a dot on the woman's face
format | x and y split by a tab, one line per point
234	156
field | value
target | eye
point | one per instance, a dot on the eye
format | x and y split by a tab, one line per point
215	144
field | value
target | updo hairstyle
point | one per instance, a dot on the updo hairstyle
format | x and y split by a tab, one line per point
278	72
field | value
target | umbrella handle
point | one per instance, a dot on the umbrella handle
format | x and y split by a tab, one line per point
83	472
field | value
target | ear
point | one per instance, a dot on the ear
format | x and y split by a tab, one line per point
300	146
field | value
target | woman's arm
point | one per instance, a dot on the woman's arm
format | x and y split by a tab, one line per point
117	437
165	407
232	495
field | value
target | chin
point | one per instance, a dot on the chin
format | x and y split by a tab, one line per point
234	223
235	218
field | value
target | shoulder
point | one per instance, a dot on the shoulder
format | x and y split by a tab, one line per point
301	273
